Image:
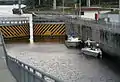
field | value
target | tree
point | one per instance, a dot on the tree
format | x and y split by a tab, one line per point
30	3
83	2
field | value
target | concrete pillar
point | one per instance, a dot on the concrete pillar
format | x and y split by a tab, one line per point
54	4
88	3
31	29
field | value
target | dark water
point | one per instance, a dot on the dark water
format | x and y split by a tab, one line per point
66	64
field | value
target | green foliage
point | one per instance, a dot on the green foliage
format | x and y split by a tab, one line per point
30	3
49	3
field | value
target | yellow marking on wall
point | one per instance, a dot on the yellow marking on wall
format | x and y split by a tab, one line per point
15	30
4	33
47	33
55	28
11	30
19	31
24	29
15	33
46	29
39	29
36	27
43	28
53	32
52	29
62	29
27	29
5	28
62	32
56	32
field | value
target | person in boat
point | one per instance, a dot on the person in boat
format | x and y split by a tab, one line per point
88	43
97	46
94	46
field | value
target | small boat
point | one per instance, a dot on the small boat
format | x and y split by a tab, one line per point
72	42
92	49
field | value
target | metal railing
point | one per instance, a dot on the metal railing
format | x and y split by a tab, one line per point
13	20
38	19
25	73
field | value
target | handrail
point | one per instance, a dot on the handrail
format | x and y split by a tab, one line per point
24	72
33	70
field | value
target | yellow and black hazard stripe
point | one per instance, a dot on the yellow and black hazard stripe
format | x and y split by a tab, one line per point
49	29
59	30
15	30
3	31
43	28
56	32
62	31
6	31
37	28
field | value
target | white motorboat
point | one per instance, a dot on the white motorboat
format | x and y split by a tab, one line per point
72	42
92	50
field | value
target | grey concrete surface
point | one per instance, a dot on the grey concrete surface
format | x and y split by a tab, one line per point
66	64
5	75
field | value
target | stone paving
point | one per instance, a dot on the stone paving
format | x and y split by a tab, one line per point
66	64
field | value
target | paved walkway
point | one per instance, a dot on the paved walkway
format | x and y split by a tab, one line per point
5	75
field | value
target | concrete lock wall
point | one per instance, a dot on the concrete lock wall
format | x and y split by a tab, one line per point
106	34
